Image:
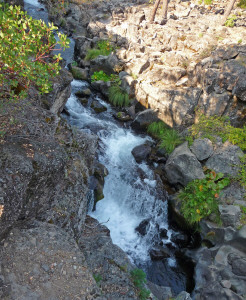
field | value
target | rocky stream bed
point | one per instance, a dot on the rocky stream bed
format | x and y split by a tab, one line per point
53	165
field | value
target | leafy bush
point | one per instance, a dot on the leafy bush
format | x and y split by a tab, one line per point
210	127
199	197
242	4
230	21
139	279
169	138
25	53
117	96
208	2
103	48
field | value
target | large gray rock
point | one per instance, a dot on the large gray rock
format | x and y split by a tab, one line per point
230	215
240	88
79	73
141	152
145	118
44	262
182	166
109	64
202	148
226	159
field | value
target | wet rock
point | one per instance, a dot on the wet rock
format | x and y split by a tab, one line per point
143	227
180	239
141	152
145	118
159	253
163	233
182	166
202	148
122	116
78	73
84	101
239	267
161	292
98	107
83	93
101	86
226	159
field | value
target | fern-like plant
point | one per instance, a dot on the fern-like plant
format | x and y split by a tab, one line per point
170	140
157	129
118	97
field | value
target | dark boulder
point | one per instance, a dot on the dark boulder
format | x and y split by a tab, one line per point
143	227
141	152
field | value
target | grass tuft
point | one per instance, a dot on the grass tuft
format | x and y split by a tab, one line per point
118	97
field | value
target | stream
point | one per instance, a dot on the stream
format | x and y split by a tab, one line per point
131	191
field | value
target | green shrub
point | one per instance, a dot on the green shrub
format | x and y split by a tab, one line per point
210	127
117	96
208	2
242	4
25	53
199	197
139	280
102	48
230	21
97	278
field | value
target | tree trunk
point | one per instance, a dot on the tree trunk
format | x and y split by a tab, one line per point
164	9
228	11
157	2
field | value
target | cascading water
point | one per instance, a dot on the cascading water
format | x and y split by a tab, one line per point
131	192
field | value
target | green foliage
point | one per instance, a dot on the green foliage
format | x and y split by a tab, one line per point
210	127
139	279
169	137
199	197
230	21
170	140
157	129
243	215
100	76
117	96
240	41
103	48
242	4
241	177
25	53
208	2
97	278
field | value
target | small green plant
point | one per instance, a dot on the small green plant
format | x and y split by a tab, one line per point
200	35
139	280
210	127
242	4
240	41
170	140
199	197
97	278
230	22
168	137
208	2
103	48
117	96
241	177
100	76
74	64
243	215
157	129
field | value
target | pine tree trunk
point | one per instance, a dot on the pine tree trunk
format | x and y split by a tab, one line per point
157	2
164	9
228	11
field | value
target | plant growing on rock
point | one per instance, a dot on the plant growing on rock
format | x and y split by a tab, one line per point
168	137
242	4
26	46
102	48
139	280
210	127
100	75
230	22
117	96
200	197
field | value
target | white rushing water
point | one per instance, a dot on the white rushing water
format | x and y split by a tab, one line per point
128	197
